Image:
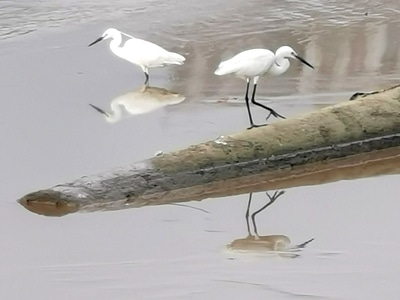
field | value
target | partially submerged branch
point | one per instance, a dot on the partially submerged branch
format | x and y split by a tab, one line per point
352	139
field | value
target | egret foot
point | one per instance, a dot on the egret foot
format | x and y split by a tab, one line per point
275	114
254	125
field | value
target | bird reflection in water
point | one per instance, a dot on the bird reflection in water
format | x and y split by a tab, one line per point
279	244
141	101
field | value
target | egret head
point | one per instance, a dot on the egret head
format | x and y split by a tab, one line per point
109	33
288	52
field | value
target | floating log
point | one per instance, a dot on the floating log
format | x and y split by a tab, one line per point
352	139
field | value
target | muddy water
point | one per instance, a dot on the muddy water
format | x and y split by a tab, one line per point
50	134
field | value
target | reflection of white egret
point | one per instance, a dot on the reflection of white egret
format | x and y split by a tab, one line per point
261	243
251	64
265	243
140	52
140	101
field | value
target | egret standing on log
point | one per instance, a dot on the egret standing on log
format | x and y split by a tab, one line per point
140	52
251	64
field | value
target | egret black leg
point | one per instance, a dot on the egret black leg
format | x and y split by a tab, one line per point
252	125
272	199
248	213
246	97
146	82
271	111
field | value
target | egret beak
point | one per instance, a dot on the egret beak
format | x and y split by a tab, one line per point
99	110
96	41
303	61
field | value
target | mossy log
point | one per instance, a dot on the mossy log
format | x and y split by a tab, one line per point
339	139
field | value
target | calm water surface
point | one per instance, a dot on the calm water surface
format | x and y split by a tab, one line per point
49	134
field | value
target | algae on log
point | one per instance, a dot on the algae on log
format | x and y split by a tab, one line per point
248	161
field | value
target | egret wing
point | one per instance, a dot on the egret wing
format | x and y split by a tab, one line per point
148	54
248	63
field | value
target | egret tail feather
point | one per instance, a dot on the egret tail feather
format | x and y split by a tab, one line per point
224	69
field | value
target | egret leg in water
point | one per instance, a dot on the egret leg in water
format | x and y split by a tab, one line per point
253	63
140	52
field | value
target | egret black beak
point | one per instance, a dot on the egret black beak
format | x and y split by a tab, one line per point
96	41
303	61
99	110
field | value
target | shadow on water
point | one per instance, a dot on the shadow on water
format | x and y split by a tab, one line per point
139	101
265	244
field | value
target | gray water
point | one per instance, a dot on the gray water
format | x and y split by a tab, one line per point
49	135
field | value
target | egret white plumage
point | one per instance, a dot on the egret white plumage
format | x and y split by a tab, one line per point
253	63
140	52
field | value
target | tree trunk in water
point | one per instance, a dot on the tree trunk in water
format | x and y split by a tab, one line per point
334	142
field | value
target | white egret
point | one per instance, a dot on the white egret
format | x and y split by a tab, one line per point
251	64
140	52
141	101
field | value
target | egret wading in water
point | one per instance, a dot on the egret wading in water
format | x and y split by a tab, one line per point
251	64
140	52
